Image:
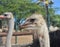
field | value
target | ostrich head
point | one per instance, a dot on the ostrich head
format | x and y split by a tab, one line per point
33	21
6	15
38	25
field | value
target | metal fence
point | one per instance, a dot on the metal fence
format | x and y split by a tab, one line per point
19	38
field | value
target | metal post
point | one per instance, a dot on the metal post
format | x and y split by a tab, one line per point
0	24
16	36
46	2
48	16
15	28
1	41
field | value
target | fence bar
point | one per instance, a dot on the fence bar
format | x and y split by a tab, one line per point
3	34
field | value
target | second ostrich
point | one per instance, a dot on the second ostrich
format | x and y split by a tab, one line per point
9	16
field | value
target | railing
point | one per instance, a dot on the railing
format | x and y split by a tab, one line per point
3	34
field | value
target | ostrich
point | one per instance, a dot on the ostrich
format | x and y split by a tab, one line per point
54	36
9	17
37	22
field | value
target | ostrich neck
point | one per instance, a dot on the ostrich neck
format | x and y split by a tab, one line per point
44	36
10	32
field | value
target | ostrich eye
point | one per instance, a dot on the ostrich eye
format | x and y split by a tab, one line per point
32	20
5	14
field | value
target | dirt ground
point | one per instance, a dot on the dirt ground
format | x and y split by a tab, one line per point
20	39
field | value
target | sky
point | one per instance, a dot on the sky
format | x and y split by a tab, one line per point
55	5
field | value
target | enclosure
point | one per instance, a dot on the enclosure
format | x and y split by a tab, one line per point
22	10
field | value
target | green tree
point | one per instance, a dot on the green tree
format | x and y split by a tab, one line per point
24	8
55	20
21	8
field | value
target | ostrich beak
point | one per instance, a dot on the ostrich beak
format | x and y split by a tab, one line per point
2	17
27	25
23	26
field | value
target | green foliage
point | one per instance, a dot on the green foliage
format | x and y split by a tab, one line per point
21	8
55	20
24	8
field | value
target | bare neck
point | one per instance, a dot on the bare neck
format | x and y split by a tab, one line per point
10	32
